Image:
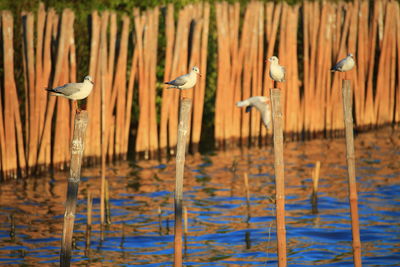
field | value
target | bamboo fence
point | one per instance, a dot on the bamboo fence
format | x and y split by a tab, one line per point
308	38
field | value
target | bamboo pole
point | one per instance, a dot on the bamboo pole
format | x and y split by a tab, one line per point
77	147
279	176
103	136
166	94
183	127
353	198
10	156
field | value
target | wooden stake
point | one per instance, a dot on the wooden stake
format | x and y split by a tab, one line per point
77	147
246	186
279	175
315	177
348	120
183	127
185	220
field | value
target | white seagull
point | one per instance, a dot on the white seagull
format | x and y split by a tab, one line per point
345	64
261	103
185	81
276	71
74	91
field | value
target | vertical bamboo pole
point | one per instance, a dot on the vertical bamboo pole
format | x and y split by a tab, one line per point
103	150
279	175
103	85
9	124
348	120
92	105
166	93
183	127
77	147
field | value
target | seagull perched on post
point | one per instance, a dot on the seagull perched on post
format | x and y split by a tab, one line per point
276	71
186	81
345	64
261	103
74	91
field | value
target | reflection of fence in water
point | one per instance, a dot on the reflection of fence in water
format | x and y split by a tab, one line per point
308	38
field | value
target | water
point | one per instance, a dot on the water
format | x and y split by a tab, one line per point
223	229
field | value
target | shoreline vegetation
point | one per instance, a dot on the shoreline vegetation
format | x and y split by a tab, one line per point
144	43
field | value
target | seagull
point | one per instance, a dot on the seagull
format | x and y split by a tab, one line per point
345	64
185	81
74	91
276	71
261	103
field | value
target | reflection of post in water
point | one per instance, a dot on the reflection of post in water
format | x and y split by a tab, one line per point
107	203
77	146
351	168
159	220
185	227
277	122
246	186
247	239
233	170
315	179
89	222
12	228
121	244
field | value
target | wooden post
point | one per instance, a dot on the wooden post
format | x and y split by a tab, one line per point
183	129
77	147
279	175
348	120
315	177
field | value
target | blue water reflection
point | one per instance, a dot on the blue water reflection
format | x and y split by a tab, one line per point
224	228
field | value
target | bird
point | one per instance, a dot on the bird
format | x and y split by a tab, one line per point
186	81
261	103
276	71
74	91
345	64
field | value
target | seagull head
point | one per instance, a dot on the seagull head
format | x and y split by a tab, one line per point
350	55
89	79
195	69
273	59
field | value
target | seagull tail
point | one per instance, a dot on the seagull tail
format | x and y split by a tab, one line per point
53	92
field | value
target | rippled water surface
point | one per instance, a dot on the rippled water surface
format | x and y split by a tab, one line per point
222	230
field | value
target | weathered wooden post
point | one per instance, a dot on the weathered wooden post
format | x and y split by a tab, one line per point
277	121
315	179
183	130
351	169
77	147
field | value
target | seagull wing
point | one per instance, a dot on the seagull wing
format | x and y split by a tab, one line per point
339	65
265	111
68	89
181	80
